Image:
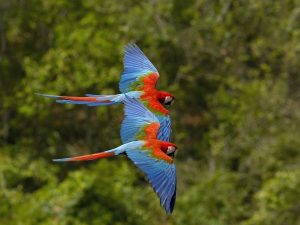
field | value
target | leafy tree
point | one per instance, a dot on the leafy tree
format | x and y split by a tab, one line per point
233	67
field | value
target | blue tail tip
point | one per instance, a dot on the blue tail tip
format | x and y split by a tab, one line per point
61	160
46	95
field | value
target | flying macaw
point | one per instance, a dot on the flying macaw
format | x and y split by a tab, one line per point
138	81
154	157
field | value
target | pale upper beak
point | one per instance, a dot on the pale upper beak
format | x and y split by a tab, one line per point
171	149
168	100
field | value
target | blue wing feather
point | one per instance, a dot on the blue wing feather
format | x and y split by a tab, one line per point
136	64
164	132
137	116
161	175
136	60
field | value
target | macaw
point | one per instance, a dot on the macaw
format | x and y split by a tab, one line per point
152	156
138	81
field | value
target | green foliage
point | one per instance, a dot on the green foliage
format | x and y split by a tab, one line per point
278	200
216	199
234	69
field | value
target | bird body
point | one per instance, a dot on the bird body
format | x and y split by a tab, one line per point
155	148
139	132
138	81
146	128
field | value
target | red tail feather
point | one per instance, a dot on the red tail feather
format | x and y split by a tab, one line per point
86	157
93	156
86	99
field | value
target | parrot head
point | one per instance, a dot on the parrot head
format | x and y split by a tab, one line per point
165	98
168	148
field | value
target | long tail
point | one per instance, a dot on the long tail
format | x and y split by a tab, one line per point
99	155
90	100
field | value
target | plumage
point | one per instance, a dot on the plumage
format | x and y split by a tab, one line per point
146	128
137	121
136	68
161	175
138	81
99	155
139	132
165	130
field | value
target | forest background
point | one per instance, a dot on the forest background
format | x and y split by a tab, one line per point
234	69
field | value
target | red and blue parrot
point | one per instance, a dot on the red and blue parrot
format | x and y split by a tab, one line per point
138	81
139	131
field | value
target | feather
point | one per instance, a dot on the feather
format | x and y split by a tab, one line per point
160	173
139	123
136	66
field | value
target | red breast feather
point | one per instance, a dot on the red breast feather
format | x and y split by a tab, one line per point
150	93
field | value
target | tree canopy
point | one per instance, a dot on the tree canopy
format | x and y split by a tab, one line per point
234	69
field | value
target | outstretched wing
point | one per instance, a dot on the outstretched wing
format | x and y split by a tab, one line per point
139	72
139	123
160	171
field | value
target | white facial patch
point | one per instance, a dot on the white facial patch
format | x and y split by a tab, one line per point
171	149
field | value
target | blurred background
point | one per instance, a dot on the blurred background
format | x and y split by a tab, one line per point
234	69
